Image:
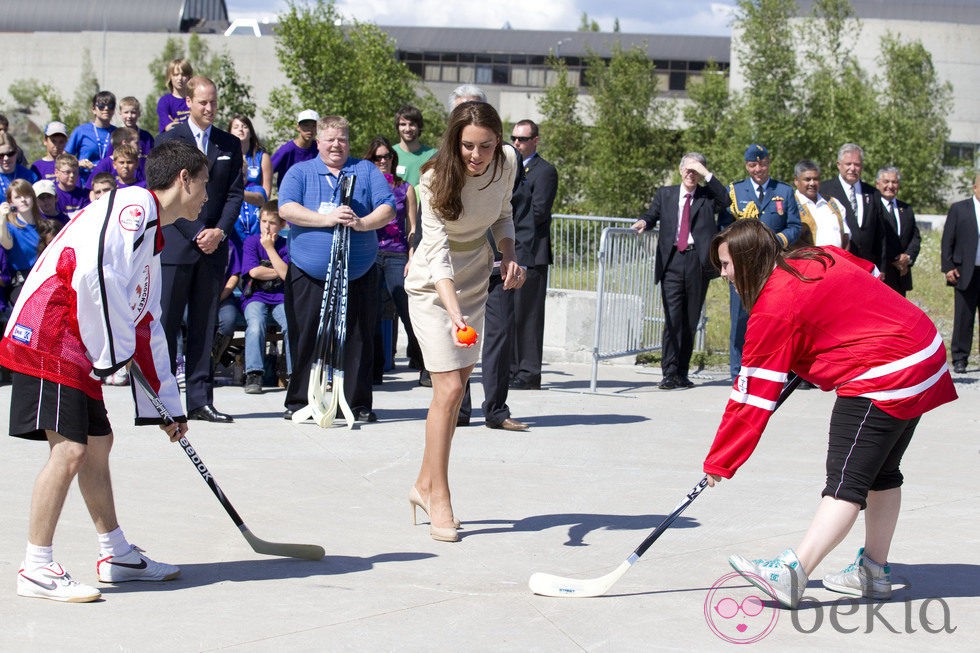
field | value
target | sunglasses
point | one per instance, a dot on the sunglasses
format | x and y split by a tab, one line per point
521	139
382	157
102	105
7	154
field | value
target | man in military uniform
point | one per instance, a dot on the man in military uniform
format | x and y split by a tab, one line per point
758	197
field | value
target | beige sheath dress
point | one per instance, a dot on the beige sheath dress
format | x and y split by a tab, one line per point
458	250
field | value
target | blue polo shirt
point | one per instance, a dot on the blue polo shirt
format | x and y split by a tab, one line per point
310	183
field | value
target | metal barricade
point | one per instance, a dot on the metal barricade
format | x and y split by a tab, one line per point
628	315
574	243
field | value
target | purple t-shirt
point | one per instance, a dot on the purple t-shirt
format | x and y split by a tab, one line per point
171	108
105	165
289	155
71	201
393	237
253	255
43	169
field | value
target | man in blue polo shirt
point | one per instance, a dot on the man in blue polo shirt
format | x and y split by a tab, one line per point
309	200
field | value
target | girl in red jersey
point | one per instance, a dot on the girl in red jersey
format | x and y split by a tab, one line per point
819	313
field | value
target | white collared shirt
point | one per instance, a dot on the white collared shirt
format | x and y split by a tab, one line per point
891	206
828	227
858	195
195	131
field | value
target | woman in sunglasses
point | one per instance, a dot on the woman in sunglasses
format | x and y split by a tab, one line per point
393	241
90	142
9	168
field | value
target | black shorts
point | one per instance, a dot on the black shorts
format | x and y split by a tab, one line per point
37	405
865	449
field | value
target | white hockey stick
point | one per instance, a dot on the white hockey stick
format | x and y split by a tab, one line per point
551	585
305	551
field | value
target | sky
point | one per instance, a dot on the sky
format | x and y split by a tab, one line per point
704	17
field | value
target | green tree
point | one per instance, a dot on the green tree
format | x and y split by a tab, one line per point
912	129
587	24
630	142
766	50
716	124
343	67
836	106
563	136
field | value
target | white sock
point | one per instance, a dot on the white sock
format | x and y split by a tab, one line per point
37	557
113	543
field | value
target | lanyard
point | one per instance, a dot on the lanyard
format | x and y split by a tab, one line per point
102	147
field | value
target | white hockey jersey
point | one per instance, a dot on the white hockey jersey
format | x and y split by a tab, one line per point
92	302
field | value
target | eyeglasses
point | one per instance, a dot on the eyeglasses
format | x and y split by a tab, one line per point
382	157
521	139
8	154
103	105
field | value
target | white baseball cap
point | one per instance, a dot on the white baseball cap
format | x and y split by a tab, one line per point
308	114
55	128
44	186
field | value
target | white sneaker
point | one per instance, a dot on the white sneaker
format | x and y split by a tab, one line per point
864	577
53	582
782	578
133	566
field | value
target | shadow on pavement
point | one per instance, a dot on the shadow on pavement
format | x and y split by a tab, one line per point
579	525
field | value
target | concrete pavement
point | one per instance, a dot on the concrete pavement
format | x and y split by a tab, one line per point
573	496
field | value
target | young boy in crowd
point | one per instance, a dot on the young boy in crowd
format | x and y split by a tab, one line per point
125	161
265	258
129	111
103	183
123	135
55	137
71	196
47	200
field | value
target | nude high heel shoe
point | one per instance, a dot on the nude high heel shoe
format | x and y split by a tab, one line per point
415	501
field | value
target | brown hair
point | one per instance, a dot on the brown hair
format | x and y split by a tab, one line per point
178	65
755	252
24	188
448	167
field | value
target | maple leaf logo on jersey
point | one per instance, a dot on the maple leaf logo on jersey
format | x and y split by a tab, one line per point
141	294
131	217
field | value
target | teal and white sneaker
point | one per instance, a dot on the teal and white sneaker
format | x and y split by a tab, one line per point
53	582
864	577
782	578
133	566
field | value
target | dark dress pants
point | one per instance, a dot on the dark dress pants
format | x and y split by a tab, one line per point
196	287
304	297
496	355
965	303
683	289
529	302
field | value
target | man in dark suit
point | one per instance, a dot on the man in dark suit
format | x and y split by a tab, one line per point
195	255
687	215
757	197
900	230
960	261
862	205
532	202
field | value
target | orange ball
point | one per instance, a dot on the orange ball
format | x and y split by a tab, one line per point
466	336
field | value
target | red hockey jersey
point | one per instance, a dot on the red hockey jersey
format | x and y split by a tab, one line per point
846	332
92	303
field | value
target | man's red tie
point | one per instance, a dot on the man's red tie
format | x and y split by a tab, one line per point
683	234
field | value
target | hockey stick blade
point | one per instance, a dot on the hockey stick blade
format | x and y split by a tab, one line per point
559	586
305	551
283	549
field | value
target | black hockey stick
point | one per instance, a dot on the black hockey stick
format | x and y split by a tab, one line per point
306	551
551	585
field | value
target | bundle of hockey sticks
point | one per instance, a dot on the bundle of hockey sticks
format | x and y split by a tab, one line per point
326	389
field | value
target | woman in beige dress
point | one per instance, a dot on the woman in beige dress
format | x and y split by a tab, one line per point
465	189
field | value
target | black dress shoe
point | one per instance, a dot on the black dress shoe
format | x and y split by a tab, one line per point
210	414
684	382
365	415
463	420
425	379
508	425
288	414
669	383
959	367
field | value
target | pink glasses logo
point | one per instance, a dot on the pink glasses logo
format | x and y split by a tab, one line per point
736	613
